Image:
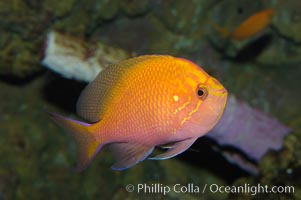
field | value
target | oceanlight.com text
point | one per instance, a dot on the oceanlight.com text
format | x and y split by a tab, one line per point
158	188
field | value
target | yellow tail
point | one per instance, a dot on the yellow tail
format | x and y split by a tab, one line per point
87	145
221	30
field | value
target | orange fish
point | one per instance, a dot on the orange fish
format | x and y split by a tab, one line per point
141	103
252	25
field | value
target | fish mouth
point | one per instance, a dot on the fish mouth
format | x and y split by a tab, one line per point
216	85
224	91
221	92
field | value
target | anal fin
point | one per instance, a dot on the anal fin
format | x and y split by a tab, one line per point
175	149
128	154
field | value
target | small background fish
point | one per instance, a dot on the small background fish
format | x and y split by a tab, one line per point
245	33
249	27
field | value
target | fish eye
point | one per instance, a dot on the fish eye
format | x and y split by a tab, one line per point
202	92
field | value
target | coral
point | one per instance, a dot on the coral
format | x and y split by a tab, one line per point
24	25
280	52
180	16
18	57
248	130
29	21
74	58
288	19
21	28
57	8
135	7
272	89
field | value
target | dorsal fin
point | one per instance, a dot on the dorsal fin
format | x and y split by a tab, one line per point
95	97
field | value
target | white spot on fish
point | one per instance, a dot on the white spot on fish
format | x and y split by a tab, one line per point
176	98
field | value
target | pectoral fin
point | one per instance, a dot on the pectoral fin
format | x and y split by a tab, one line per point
128	155
175	149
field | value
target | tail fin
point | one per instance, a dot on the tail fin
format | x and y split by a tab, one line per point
87	145
224	32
